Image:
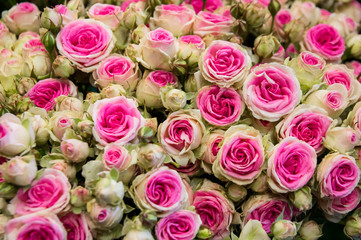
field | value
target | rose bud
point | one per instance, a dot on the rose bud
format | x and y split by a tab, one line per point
77	6
284	229
282	17
64	167
135	15
37	57
63	67
151	156
113	90
207	23
7	39
139	32
173	99
353	225
194	82
310	230
204	233
148	89
50	19
74	150
256	15
68	103
142	234
79	196
19	170
212	142
236	193
148	132
353	43
104	217
108	190
108	14
85	128
14	137
176	19
302	198
266	45
61	121
67	15
22	17
342	139
25	84
253	230
260	184
307	12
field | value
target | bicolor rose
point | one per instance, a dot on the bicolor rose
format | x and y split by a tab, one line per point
344	24
117	69
76	226
211	23
160	190
7	39
215	210
22	17
61	121
211	5
193	39
213	141
118	157
19	170
74	150
50	192
356	66
182	133
342	139
157	49
44	92
106	13
307	123
36	226
181	225
266	208
306	12
337	175
241	156
291	164
176	19
67	15
116	120
104	217
325	41
282	17
85	42
37	58
220	106
213	69
271	91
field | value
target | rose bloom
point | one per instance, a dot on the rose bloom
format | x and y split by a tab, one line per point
11	64
22	17
193	39
220	106
85	42
161	191
116	156
104	217
181	133
7	39
157	49
106	13
291	164
76	226
339	73
337	175
36	226
14	137
116	119
44	92
342	139
67	15
117	69
50	192
306	12
325	41
215	210
344	24
266	208
241	156
336	208
212	143
182	225
148	89
74	150
271	91
37	58
215	71
176	19
307	123
61	121
282	17
211	5
211	23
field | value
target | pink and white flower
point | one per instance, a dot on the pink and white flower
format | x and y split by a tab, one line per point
211	23
106	13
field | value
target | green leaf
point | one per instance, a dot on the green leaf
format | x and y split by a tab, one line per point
114	174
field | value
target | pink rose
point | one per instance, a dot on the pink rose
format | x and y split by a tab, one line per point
356	66
337	175
241	156
160	190
35	226
157	49
215	210
213	141
176	19
344	24
307	123
220	106
211	23
291	51
182	133
50	192
325	41
291	164
85	42
67	15
22	17
61	121
282	17
117	69
148	89
266	208
106	13
180	225
126	4
44	92
76	226
116	119
271	91
74	150
215	71
117	157
211	5
193	39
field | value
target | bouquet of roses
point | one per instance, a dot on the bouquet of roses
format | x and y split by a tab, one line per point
180	120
